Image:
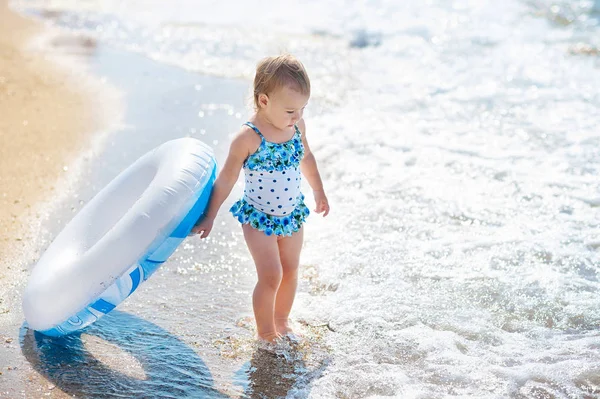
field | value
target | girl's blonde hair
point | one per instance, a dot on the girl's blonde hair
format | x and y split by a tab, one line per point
275	72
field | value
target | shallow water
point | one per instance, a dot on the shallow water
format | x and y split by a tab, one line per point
460	149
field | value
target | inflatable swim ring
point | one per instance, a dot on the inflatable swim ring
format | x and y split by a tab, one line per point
120	237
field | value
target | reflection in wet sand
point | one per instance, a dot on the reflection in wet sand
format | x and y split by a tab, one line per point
290	366
272	375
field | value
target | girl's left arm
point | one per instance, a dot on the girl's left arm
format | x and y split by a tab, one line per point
308	167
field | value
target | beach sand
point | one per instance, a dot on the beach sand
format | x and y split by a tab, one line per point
43	118
48	114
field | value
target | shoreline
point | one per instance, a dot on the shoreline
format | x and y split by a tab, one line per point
51	114
48	116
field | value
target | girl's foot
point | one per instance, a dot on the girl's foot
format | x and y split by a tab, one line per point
283	327
270	337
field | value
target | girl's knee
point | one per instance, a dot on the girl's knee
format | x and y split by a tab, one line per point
272	278
290	272
290	267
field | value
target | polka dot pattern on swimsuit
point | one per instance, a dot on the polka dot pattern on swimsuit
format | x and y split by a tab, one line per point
272	200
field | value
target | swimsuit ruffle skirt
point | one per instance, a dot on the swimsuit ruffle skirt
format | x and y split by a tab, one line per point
272	200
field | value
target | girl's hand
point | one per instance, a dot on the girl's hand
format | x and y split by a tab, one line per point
321	202
204	227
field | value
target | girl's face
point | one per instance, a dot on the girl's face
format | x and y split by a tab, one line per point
283	107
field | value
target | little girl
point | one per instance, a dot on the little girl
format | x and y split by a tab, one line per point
272	149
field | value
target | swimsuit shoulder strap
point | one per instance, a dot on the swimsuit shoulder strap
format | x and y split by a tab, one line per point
297	130
251	125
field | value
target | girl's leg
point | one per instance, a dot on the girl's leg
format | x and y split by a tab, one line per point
289	253
265	253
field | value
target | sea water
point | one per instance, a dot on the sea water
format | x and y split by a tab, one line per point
459	146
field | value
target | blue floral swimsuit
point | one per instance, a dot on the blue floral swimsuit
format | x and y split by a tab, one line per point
272	199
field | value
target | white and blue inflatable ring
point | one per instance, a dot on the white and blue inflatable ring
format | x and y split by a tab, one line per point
120	237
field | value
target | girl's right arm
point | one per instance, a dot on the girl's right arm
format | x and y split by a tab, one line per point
238	152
